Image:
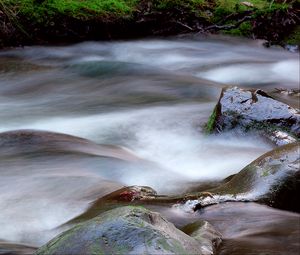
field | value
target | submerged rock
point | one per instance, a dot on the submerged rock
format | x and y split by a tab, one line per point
35	141
252	229
248	110
125	230
273	179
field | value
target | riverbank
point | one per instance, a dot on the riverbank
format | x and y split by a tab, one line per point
30	22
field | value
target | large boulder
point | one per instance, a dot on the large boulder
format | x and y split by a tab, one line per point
124	230
273	179
249	110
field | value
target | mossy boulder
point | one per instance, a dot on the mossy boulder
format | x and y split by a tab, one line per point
248	110
124	230
272	179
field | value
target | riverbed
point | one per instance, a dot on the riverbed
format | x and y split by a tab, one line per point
150	98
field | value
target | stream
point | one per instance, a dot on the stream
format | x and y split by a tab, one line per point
145	102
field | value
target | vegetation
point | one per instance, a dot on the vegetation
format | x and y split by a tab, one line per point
81	9
211	122
33	21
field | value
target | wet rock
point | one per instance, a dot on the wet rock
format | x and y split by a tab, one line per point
273	179
289	92
248	110
206	234
252	229
70	153
125	230
117	198
35	141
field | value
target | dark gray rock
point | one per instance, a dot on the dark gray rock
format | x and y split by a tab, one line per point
124	230
248	110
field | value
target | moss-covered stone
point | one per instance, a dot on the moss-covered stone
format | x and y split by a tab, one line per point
124	230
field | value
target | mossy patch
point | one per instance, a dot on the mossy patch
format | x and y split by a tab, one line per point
209	127
269	128
81	9
245	29
294	37
190	4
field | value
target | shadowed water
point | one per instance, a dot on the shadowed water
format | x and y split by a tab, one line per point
148	99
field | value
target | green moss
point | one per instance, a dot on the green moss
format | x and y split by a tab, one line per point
211	122
228	11
294	37
265	173
224	8
171	245
245	29
169	4
51	247
96	249
80	9
33	19
270	128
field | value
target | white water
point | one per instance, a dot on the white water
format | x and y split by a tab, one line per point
147	95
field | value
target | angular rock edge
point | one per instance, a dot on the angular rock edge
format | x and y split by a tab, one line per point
255	111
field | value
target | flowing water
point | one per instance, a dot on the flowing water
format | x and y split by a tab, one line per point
144	101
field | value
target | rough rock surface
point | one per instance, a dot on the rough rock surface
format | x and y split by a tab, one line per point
206	234
255	110
266	179
124	230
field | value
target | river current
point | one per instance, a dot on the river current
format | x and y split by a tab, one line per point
150	98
